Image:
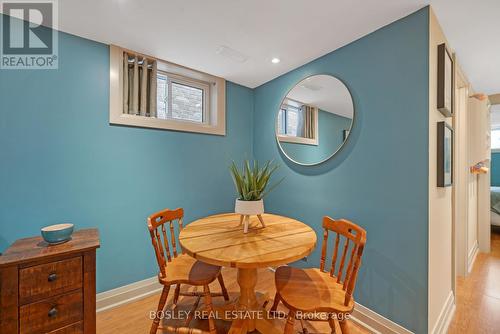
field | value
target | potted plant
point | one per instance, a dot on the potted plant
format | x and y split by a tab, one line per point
252	185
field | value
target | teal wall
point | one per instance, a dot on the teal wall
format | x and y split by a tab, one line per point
379	179
330	130
62	161
495	169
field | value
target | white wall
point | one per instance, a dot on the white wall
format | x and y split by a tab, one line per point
471	237
473	157
479	126
461	175
440	199
478	230
484	213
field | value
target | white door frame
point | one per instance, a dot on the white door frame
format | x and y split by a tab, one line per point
460	193
483	206
460	179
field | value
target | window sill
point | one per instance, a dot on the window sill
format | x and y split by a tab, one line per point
166	124
298	140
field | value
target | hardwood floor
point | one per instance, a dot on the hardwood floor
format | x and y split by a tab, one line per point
134	318
478	303
478	295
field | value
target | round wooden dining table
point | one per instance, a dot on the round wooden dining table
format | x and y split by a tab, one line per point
219	240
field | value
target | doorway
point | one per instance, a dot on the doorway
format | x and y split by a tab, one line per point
471	191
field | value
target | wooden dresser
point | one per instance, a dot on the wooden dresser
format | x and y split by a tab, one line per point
49	289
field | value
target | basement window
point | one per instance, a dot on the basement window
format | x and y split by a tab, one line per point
152	93
182	99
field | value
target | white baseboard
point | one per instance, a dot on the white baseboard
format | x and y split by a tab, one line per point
445	316
127	293
375	323
363	316
472	257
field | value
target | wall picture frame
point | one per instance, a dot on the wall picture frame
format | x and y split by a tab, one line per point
444	155
445	78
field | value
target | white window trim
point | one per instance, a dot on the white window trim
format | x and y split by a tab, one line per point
215	125
300	140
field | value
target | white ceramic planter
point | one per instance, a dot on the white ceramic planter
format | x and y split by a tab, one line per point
249	207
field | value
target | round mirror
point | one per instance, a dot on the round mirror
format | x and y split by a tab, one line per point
314	120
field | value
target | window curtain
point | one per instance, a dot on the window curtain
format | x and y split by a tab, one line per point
139	85
308	121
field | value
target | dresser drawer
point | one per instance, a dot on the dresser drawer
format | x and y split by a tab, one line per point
49	279
51	314
70	329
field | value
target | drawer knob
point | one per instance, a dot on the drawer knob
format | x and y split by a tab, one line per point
52	312
52	277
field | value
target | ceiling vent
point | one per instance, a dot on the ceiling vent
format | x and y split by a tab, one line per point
231	54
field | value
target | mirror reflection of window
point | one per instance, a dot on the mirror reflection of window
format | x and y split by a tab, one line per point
282	122
288	118
296	119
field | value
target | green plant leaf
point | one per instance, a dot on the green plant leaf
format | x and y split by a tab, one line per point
252	180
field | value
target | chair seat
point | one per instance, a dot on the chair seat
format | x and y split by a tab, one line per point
311	290
187	270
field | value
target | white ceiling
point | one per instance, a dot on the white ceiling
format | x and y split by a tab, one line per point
472	27
189	32
326	93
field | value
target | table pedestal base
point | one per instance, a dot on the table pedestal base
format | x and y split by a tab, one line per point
248	312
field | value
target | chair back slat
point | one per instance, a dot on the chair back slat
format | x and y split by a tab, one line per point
350	233
172	233
323	250
342	261
335	253
348	271
352	281
165	242
157	245
159	235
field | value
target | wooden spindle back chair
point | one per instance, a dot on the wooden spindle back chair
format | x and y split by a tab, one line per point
177	268
165	247
304	289
353	236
